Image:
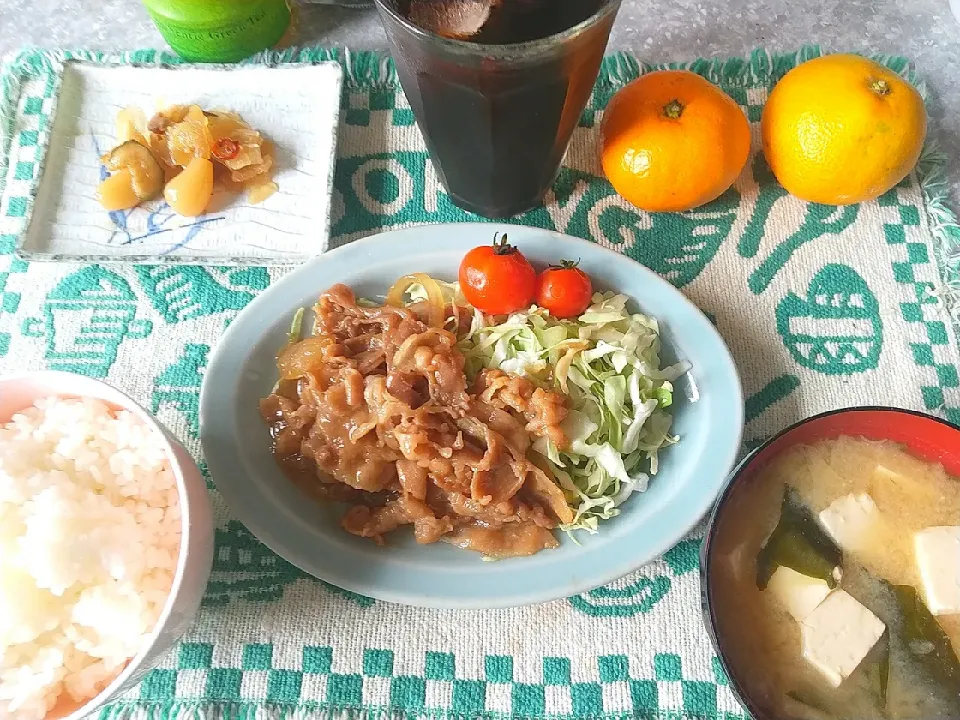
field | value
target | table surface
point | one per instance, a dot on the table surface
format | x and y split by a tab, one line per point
923	30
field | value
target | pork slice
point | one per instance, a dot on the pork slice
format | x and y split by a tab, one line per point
375	522
413	479
514	540
547	493
496	485
410	388
501	422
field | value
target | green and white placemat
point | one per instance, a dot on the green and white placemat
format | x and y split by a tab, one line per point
822	307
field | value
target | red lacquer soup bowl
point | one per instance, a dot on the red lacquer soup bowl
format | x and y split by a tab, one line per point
926	437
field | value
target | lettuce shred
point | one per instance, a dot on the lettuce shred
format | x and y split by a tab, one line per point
296	327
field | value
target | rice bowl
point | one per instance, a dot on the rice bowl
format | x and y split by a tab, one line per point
105	544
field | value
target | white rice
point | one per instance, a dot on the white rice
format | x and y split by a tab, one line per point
89	537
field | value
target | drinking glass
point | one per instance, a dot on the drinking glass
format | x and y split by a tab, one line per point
497	119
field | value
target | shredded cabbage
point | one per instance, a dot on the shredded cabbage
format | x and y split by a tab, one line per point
416	292
608	363
296	327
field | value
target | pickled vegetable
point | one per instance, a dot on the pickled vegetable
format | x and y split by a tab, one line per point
189	192
182	133
116	192
190	138
223	124
259	193
161	151
251	172
226	149
132	125
800	543
146	175
159	156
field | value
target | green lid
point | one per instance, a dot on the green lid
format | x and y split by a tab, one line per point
219	30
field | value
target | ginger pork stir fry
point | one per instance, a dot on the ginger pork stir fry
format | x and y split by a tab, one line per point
484	413
375	409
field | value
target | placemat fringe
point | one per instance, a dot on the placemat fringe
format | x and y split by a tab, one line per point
932	173
258	711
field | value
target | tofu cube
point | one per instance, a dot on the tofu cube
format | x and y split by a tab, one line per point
938	559
850	520
882	472
837	636
798	594
891	484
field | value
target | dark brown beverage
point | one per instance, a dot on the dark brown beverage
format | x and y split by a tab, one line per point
498	93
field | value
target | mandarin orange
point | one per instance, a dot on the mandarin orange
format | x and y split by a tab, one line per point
842	129
671	141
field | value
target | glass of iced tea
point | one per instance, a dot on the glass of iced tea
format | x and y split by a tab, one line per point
497	87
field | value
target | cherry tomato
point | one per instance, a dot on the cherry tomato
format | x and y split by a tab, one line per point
497	279
565	290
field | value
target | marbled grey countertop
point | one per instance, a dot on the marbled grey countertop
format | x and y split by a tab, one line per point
657	31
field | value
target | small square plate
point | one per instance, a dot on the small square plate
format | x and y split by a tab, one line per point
294	106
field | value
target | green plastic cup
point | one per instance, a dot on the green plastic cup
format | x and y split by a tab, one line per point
220	30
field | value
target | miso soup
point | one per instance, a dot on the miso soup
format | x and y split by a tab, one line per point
836	584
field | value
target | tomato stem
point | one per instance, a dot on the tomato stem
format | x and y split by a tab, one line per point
566	265
501	246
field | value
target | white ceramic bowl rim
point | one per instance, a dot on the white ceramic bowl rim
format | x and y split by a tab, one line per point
118	398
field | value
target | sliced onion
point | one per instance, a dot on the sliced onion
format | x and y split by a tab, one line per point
564	363
300	358
435	303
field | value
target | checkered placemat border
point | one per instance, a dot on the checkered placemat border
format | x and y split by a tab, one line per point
618	690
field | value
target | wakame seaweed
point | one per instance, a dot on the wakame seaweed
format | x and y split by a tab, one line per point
926	641
800	543
917	653
877	666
